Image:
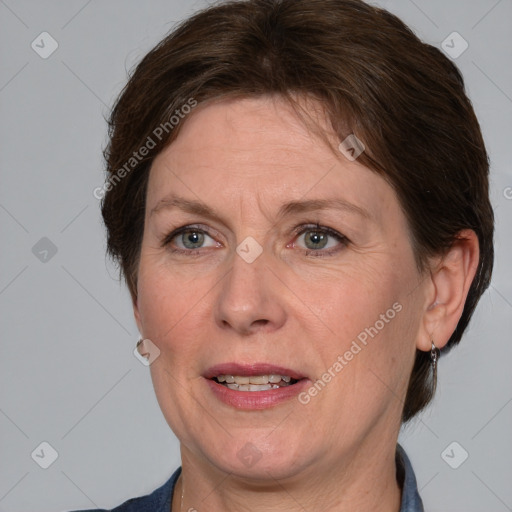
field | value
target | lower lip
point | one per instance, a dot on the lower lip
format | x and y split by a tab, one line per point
256	399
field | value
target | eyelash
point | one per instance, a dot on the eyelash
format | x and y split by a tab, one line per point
297	231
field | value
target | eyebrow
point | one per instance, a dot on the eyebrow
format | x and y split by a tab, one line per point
286	210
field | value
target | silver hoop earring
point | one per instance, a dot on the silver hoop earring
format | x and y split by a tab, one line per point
433	357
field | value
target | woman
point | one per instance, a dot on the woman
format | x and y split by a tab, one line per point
298	200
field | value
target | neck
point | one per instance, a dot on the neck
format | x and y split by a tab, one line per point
364	480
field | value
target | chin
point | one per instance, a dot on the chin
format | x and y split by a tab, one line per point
259	459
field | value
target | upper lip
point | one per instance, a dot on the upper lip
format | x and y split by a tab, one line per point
250	369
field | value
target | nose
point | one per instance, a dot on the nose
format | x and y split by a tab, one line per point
249	299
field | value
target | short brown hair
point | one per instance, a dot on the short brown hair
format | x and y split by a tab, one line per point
403	98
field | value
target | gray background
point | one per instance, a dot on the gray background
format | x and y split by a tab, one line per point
67	372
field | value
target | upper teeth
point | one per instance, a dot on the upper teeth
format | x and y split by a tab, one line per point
253	379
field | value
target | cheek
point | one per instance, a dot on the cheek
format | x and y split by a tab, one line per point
169	307
164	302
372	319
353	300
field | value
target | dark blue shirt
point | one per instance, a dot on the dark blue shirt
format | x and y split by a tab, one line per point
160	499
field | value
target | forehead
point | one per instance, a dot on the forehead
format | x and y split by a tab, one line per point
259	147
258	128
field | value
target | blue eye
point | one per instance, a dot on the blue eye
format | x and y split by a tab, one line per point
188	239
321	241
192	239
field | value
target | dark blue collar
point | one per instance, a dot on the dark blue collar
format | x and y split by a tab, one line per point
411	501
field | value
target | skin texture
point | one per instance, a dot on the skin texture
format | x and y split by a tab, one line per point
245	158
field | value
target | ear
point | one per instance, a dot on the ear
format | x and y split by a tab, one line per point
449	283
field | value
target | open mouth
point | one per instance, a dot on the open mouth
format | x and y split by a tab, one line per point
255	382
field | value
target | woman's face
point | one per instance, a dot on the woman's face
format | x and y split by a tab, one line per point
296	262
